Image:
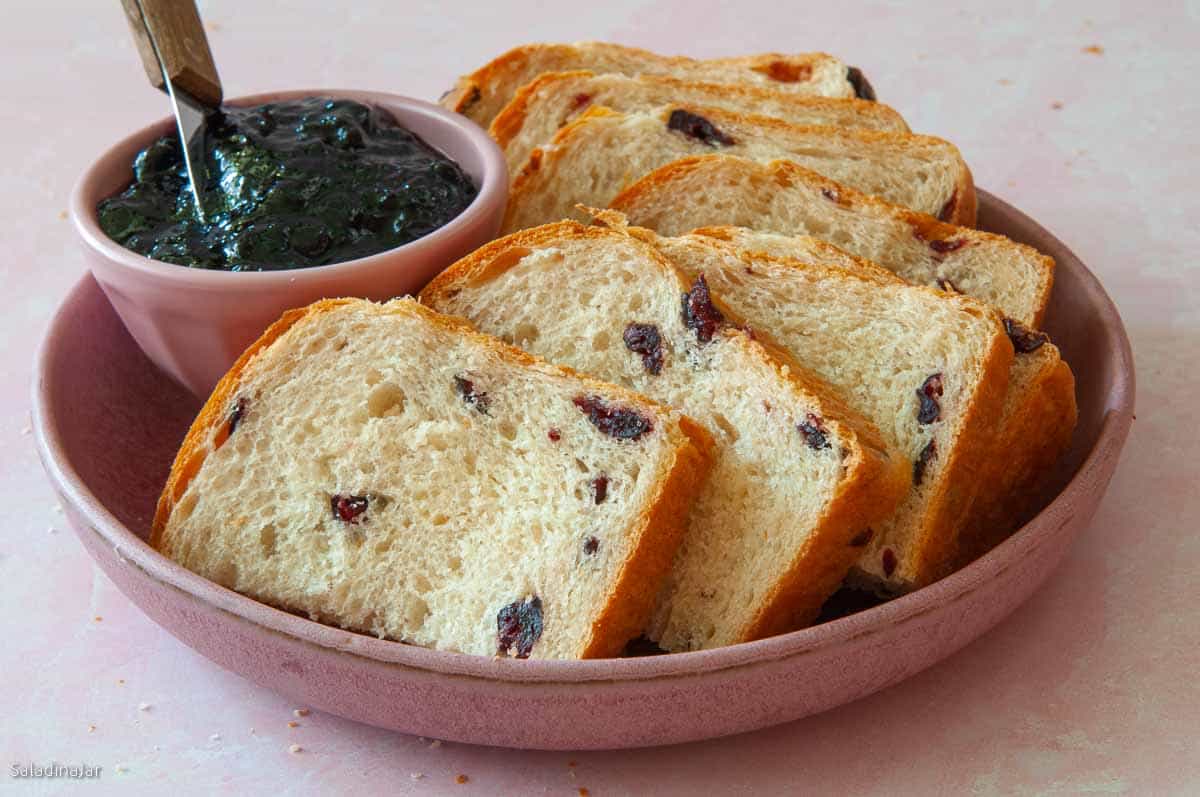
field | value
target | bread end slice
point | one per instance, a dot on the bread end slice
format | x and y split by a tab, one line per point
1039	418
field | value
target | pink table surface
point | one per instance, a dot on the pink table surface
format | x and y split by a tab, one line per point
1091	687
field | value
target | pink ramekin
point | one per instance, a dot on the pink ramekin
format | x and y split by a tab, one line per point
193	323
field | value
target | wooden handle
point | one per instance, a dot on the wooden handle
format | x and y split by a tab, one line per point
179	34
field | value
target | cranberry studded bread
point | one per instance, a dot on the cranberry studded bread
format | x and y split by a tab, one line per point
483	93
1040	410
391	471
798	479
783	197
1036	423
600	154
930	371
542	107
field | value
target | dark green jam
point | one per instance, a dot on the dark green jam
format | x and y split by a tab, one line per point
288	185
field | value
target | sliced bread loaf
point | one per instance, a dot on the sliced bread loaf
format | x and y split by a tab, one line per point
483	93
798	478
391	471
930	370
549	102
601	153
783	197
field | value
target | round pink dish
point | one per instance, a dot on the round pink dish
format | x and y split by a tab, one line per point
108	423
193	323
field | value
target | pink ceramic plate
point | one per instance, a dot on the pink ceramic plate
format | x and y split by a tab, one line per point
108	424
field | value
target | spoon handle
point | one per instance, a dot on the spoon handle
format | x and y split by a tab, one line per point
182	45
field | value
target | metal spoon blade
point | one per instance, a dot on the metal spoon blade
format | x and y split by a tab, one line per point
190	118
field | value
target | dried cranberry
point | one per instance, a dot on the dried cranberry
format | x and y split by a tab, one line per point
699	313
237	412
889	561
929	410
519	626
554	434
619	422
813	429
946	285
476	398
581	99
862	87
947	246
600	488
591	545
697	127
1024	339
348	508
922	461
862	538
644	339
948	209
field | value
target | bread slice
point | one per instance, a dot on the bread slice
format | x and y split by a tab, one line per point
552	100
391	471
483	93
783	197
1035	425
600	154
930	371
798	478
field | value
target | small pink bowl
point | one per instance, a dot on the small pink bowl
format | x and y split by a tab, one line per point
193	323
108	424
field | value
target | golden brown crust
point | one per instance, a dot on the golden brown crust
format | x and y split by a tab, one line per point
1034	433
660	530
786	173
875	478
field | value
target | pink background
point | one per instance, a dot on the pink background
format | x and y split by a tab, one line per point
1091	687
